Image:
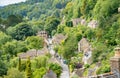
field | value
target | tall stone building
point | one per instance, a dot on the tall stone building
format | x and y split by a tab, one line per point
42	34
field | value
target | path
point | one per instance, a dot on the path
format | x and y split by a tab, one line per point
65	71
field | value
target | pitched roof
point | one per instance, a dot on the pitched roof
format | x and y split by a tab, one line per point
58	38
33	53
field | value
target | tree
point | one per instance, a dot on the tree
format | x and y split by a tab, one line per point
41	61
35	42
8	48
14	73
67	50
69	23
12	20
83	7
3	68
4	38
60	28
56	68
23	30
51	24
38	73
19	64
14	47
28	68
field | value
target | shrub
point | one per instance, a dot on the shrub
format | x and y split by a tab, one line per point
103	69
86	65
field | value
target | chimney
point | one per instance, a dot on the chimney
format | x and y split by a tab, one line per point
115	61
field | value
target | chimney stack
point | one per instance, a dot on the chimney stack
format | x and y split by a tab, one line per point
115	61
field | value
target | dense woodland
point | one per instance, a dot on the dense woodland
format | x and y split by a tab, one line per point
20	22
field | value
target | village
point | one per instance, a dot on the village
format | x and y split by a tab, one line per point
83	46
60	39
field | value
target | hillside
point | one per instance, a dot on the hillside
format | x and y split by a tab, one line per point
34	9
84	34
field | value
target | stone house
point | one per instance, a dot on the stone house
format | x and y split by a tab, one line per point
76	21
85	47
58	38
93	24
115	67
79	21
87	58
83	22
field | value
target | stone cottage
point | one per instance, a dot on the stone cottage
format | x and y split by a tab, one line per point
93	24
115	67
76	21
57	39
85	47
83	22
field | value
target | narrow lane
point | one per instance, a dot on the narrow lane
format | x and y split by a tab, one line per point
65	71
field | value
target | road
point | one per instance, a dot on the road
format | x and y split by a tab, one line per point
65	71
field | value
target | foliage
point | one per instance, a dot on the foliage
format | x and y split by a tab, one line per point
69	23
103	69
23	65
4	38
3	68
14	73
99	48
22	20
56	68
60	28
67	49
20	31
14	47
23	31
28	68
41	61
14	62
19	65
34	42
34	9
38	73
86	65
51	24
12	20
